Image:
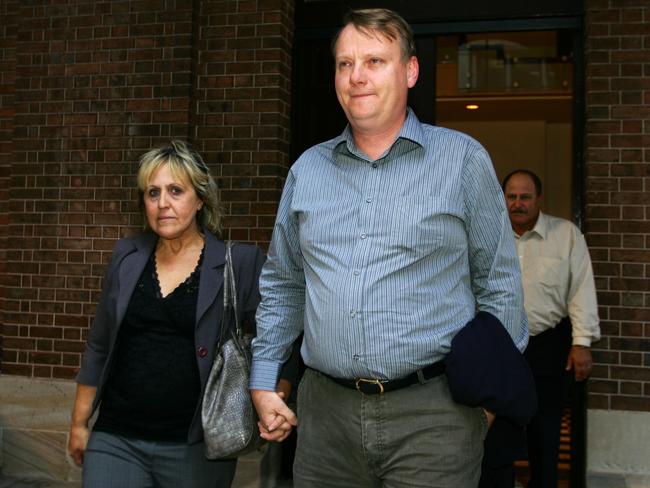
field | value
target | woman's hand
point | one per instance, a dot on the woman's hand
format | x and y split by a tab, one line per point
77	442
79	431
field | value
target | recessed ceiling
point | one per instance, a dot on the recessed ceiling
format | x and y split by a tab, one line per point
548	108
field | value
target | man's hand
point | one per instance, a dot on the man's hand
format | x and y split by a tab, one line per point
276	419
580	361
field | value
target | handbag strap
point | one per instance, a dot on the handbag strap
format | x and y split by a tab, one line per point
230	294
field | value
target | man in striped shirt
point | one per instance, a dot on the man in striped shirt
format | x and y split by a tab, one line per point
388	240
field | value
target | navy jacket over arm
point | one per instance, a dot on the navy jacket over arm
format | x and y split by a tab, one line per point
485	369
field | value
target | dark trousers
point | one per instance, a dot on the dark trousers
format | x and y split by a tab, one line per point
503	444
543	432
502	477
547	355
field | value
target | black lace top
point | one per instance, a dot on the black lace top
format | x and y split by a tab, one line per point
154	386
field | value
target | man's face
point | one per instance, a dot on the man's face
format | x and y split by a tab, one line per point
523	202
372	80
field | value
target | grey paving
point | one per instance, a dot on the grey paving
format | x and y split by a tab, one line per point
35	483
247	477
248	471
606	481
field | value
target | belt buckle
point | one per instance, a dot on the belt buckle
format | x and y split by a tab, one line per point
376	382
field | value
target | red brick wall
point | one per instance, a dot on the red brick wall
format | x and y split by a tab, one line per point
242	105
618	197
95	84
85	87
8	19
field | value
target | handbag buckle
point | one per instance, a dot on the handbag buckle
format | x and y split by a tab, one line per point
362	383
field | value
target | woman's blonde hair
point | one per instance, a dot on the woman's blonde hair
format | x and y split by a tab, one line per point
186	164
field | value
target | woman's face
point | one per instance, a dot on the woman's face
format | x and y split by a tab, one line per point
171	204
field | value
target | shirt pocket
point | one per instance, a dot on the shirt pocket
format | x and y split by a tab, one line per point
425	225
549	273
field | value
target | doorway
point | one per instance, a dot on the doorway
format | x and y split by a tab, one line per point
514	93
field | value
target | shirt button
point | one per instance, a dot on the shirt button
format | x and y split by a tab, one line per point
355	357
363	236
374	165
353	313
356	272
368	200
202	351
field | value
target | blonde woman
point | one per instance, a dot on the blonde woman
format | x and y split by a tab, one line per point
152	342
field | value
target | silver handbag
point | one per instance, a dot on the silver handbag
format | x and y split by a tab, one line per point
227	413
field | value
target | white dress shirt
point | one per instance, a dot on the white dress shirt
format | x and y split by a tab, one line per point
557	278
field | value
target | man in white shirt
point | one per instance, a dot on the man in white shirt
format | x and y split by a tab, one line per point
560	300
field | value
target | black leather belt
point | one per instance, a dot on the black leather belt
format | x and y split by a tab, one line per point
371	386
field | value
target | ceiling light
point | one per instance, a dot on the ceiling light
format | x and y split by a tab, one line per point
471	106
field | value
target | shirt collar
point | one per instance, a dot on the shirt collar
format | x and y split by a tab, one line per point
411	130
540	227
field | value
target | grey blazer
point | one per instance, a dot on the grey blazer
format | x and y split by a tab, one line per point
129	258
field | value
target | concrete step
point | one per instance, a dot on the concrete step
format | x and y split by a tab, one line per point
34	421
6	482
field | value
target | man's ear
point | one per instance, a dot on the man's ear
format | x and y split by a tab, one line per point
412	71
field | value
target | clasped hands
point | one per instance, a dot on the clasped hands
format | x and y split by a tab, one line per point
276	419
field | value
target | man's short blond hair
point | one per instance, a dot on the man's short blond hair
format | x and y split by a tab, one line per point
380	21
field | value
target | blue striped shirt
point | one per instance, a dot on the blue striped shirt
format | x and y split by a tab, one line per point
383	261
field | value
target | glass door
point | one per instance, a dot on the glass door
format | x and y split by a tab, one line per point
513	92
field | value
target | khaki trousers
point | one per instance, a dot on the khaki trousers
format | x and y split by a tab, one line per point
413	437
